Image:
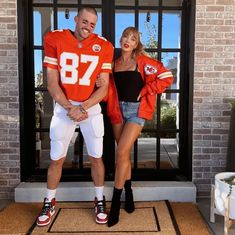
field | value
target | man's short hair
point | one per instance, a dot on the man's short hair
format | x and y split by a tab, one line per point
87	8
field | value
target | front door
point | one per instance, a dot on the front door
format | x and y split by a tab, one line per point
162	151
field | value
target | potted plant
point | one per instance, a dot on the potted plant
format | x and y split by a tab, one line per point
225	188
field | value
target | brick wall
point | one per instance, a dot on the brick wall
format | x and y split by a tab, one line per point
214	88
9	100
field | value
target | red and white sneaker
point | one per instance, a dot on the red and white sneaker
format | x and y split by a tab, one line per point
48	210
100	211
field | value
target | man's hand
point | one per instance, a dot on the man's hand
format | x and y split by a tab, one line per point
77	114
68	106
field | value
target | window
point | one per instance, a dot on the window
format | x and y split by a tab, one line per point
161	151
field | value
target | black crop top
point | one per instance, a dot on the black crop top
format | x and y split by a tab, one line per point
129	85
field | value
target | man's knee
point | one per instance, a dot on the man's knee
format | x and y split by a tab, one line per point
96	162
57	163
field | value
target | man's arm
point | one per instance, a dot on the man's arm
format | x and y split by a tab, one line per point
58	95
54	88
95	98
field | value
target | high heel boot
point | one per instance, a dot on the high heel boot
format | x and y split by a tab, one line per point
115	207
129	201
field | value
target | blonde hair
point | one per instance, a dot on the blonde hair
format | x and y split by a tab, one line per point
140	48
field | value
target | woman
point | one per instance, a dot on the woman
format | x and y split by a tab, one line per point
138	78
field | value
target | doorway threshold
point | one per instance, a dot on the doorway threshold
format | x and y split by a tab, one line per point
84	191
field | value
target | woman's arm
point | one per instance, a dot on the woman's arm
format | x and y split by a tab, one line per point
157	78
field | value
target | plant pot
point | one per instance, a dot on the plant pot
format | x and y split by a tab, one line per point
222	190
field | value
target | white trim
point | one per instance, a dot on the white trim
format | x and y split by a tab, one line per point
50	60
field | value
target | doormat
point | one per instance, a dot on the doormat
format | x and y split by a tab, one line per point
160	217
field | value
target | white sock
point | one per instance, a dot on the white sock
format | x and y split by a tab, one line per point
99	192
51	194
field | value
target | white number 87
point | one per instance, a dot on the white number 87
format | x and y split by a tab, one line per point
73	68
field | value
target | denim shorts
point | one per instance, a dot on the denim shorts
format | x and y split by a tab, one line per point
130	112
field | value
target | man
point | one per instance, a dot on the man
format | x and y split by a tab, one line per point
73	62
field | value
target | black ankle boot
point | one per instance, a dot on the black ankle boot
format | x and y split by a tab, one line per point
115	207
129	201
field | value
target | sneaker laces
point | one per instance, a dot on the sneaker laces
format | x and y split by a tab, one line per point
46	208
100	207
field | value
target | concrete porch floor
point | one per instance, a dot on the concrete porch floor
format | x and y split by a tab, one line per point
217	228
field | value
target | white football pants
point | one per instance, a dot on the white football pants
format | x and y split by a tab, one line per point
62	129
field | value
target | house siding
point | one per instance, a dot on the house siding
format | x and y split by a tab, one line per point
214	88
9	100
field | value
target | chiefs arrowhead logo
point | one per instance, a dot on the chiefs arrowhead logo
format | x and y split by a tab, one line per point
149	69
96	48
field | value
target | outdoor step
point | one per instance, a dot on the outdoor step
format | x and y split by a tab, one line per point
84	191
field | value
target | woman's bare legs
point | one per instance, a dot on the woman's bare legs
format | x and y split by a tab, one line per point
128	136
117	130
125	136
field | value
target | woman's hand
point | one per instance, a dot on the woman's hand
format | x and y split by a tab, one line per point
147	89
139	97
100	81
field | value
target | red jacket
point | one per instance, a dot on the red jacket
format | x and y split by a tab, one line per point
156	78
113	109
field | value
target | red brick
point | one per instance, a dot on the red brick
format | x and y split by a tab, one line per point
215	8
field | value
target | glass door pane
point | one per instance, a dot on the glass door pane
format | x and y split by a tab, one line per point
67	1
171	60
38	70
65	18
148	27
42	1
171	2
86	2
125	3
147	144
169	153
123	19
148	2
171	29
42	23
98	27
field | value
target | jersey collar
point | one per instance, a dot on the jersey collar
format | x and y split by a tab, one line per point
82	43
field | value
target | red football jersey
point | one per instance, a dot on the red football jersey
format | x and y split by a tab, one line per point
78	62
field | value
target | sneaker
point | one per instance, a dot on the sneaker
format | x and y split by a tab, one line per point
100	211
48	210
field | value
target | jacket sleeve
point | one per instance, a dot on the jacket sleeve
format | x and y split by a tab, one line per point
113	109
157	78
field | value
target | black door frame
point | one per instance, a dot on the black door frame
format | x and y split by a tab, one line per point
26	86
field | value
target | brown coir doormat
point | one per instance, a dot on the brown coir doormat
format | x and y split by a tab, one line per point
161	218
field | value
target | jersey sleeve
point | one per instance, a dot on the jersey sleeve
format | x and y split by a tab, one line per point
108	58
50	55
